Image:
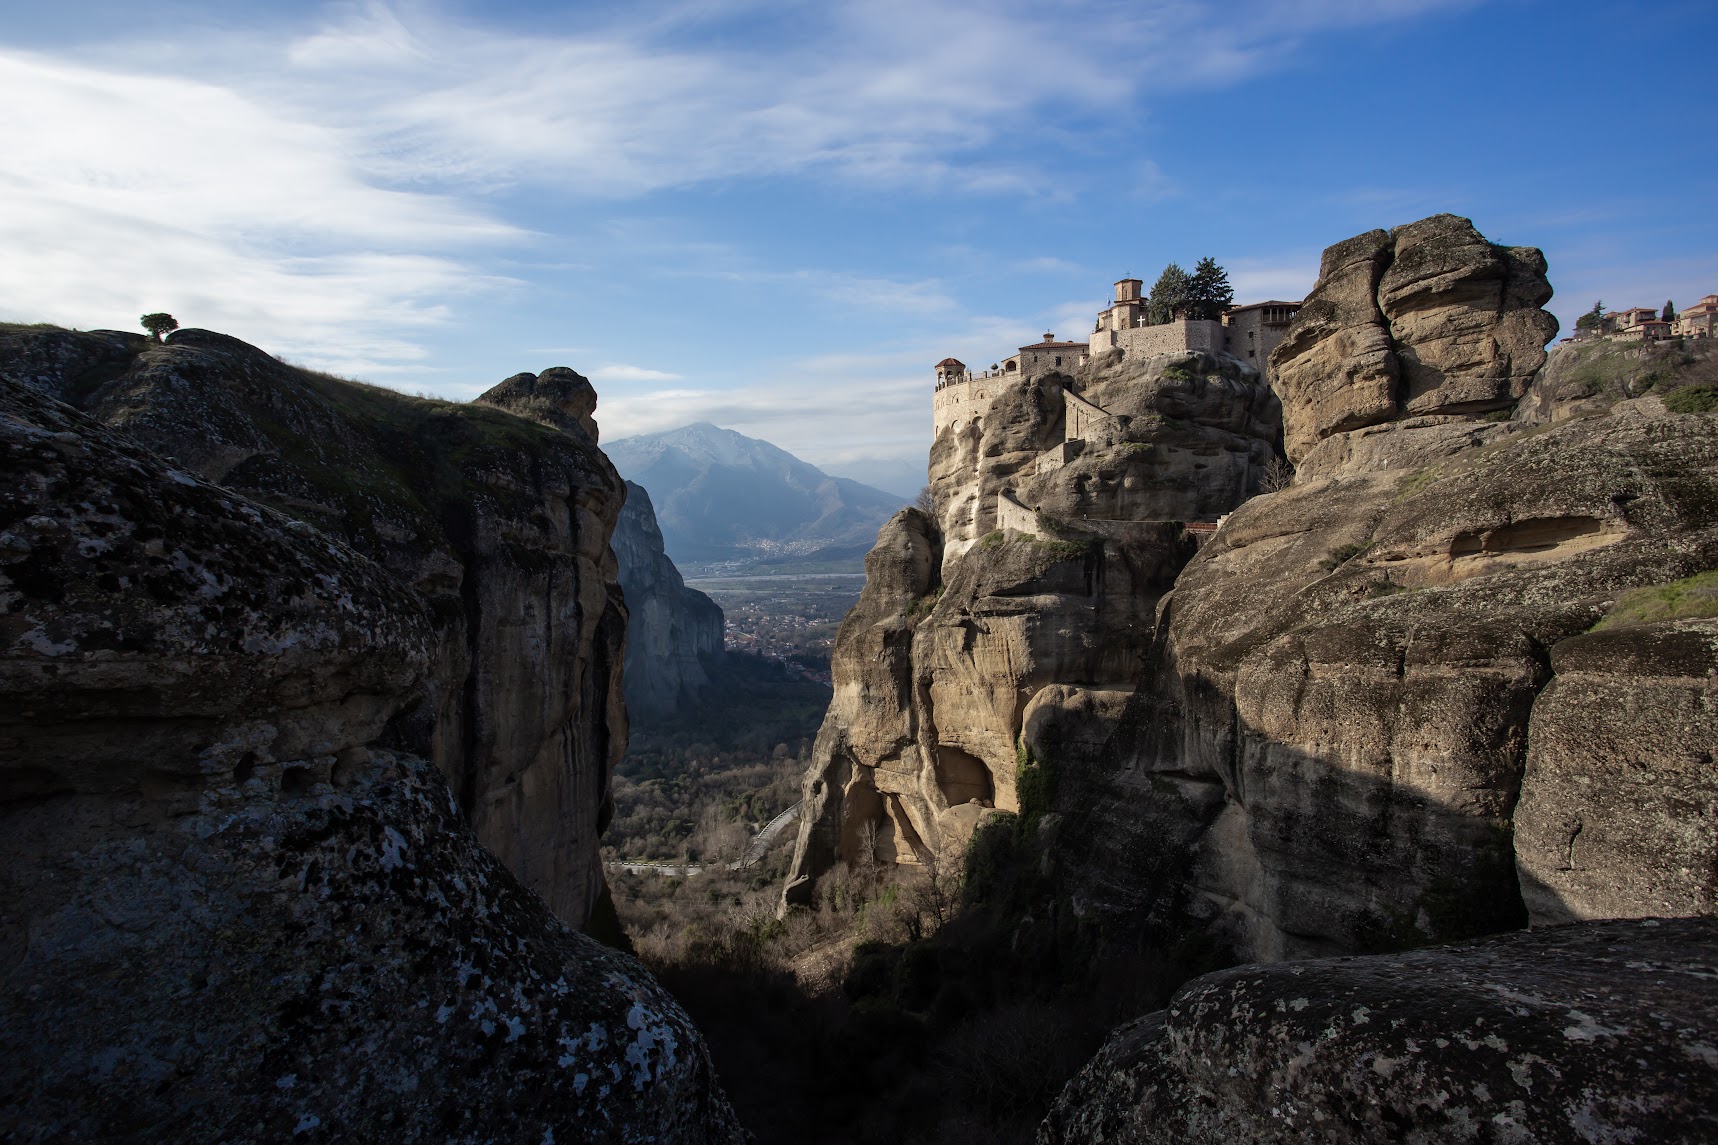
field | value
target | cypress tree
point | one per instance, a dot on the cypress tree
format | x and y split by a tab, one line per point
1209	292
1168	297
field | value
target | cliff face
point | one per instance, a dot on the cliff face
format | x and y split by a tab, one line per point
1028	605
231	910
671	630
1369	712
501	524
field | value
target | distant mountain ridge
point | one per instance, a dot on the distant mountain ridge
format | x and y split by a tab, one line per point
721	496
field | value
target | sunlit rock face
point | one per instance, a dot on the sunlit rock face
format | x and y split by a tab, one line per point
496	513
231	911
1426	320
1367	713
1026	604
1596	1032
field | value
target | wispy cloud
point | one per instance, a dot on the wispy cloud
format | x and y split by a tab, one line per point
123	193
330	191
620	372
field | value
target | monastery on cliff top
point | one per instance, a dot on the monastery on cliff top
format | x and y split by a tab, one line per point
1248	332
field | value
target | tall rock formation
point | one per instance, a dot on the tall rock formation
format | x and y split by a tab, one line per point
1368	713
672	632
230	907
500	523
1028	604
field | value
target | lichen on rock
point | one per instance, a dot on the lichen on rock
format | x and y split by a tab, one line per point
231	908
1596	1032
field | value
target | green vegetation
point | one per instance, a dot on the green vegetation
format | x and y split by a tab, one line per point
1612	371
1690	598
1035	781
1168	298
159	325
1205	293
1342	554
1591	318
924	605
1208	292
993	540
1062	550
1693	399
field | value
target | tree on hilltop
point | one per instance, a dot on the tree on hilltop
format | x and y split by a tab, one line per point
1669	314
1592	317
1209	292
1168	298
159	324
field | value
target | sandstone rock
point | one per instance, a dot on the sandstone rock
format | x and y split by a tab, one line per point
1595	1032
558	396
975	642
1357	662
500	523
1427	319
1180	437
1336	362
227	912
1464	316
872	720
1619	803
671	631
136	596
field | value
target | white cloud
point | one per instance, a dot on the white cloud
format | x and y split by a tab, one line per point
325	191
620	372
902	91
1256	281
123	193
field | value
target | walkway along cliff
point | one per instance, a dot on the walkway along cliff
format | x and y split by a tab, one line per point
1406	699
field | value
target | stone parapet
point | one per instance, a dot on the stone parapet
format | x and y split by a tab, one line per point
1168	338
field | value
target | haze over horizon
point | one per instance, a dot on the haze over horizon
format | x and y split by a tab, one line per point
776	217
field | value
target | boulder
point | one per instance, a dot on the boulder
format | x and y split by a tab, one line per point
1429	319
1594	1032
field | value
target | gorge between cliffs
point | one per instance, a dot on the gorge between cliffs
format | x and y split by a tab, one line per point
1214	755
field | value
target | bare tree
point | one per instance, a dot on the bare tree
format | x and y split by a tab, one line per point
926	501
868	839
1278	475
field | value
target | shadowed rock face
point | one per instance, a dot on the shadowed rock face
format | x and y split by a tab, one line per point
671	630
1429	319
231	913
1596	1032
1371	671
499	523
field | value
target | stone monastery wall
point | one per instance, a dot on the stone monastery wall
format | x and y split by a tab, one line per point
1169	338
957	403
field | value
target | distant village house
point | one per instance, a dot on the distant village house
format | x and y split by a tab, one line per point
1644	324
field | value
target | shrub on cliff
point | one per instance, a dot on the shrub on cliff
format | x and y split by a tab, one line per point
159	325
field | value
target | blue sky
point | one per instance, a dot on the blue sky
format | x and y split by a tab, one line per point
777	216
